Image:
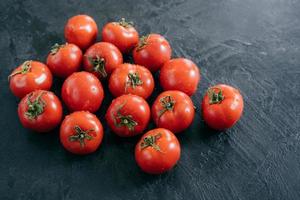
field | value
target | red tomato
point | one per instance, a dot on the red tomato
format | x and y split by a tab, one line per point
82	91
173	110
81	133
153	51
128	115
81	30
40	111
122	34
157	151
63	60
30	76
131	79
101	59
180	74
222	106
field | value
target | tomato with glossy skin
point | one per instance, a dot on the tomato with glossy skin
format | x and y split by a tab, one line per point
152	51
180	74
122	34
82	91
128	115
131	79
173	110
30	76
81	133
81	30
40	111
222	106
63	60
101	59
157	151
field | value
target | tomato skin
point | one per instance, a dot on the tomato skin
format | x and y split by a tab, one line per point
154	53
225	114
119	81
48	119
65	61
180	74
81	30
38	77
153	161
126	105
109	52
86	121
82	91
125	38
179	117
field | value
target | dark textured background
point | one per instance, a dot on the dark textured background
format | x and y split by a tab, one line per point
250	44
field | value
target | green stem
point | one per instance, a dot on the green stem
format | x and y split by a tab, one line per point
133	80
124	120
150	141
142	42
167	103
80	135
215	97
99	65
55	48
35	107
125	24
25	68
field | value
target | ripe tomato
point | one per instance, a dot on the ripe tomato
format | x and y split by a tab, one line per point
180	74
131	79
82	91
157	151
101	59
152	51
63	60
128	115
30	76
40	111
222	106
81	132
122	34
81	30
173	110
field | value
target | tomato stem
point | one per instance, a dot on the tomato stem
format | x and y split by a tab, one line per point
150	141
25	67
142	42
35	107
167	103
133	80
55	48
99	65
80	135
215	97
125	24
124	120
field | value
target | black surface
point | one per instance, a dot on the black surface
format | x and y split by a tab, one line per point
250	44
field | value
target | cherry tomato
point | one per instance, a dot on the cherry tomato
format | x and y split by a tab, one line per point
173	110
63	60
81	132
82	91
157	151
180	74
131	79
101	59
122	34
128	115
81	30
222	106
40	111
152	51
30	76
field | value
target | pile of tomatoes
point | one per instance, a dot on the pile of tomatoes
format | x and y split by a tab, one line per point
85	63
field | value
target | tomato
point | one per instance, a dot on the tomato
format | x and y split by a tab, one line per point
122	34
81	133
82	91
180	74
222	106
157	151
101	59
131	79
152	51
173	110
128	115
30	76
81	30
40	111
63	60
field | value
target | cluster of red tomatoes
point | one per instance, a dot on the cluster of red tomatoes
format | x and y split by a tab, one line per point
81	132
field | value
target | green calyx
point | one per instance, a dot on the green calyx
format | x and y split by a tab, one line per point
35	107
25	68
99	65
55	48
80	135
167	103
142	42
124	120
150	141
214	96
133	80
125	24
